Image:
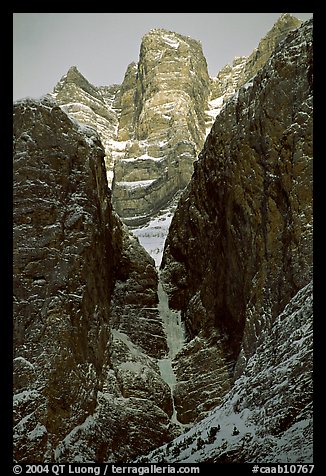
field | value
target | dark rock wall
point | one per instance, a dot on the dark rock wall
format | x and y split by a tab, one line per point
64	262
71	254
240	243
267	416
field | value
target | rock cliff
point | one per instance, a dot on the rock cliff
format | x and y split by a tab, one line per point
92	106
163	100
154	125
81	378
240	243
231	77
267	416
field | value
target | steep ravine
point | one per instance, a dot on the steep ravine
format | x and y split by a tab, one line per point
237	263
240	243
175	337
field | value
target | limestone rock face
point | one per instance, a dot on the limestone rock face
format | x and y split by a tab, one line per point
259	57
162	101
92	106
154	125
240	242
79	384
230	78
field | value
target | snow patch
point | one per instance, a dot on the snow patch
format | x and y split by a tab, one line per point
153	234
25	396
137	184
38	432
171	41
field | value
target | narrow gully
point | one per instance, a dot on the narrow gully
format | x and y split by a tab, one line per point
175	336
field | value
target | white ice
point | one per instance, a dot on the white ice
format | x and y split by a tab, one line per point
172	323
152	236
175	337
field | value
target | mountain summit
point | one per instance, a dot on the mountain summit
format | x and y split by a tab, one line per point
154	125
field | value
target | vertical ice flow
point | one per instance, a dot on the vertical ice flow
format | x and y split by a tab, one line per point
175	336
172	323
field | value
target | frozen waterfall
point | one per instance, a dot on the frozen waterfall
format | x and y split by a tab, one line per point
173	326
175	336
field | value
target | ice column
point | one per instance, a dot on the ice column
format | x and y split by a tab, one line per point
175	336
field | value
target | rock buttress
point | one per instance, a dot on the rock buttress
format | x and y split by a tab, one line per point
240	243
82	391
162	100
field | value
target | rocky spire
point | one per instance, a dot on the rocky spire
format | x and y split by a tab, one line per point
163	99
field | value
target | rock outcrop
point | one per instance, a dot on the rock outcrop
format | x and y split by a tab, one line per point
81	377
240	242
267	416
231	77
92	106
163	100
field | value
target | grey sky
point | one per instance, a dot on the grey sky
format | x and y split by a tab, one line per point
102	45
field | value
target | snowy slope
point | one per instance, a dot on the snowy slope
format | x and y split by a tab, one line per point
267	416
175	338
152	235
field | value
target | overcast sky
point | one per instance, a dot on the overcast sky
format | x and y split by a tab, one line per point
101	45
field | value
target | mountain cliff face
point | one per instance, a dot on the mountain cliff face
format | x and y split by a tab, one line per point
80	373
154	125
92	106
240	243
104	371
230	78
267	416
163	100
